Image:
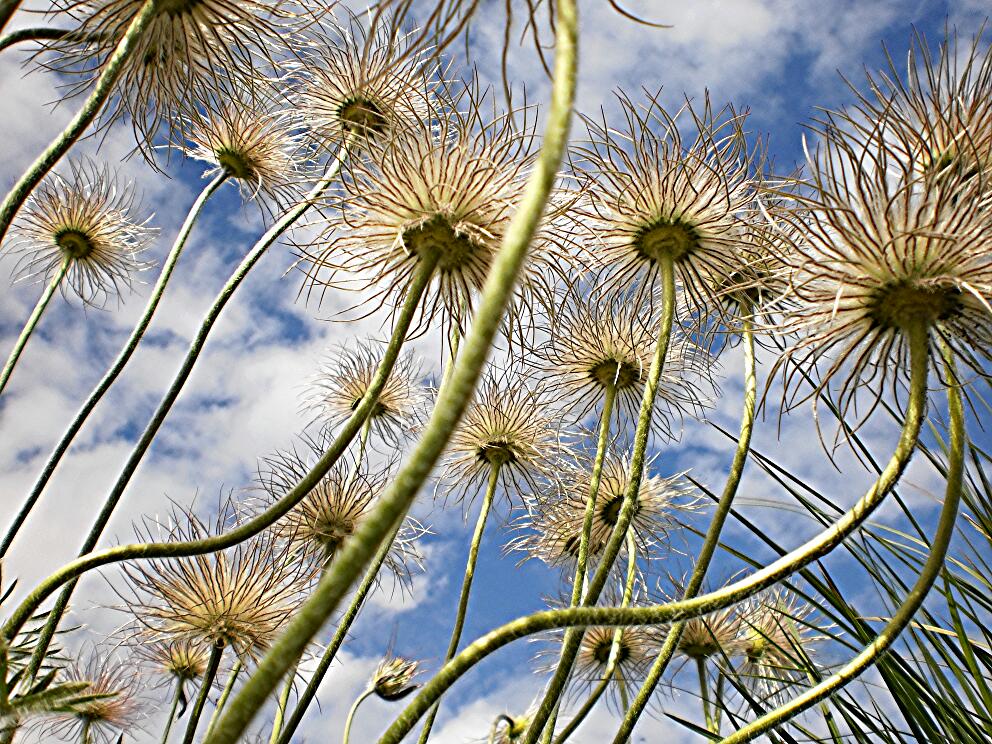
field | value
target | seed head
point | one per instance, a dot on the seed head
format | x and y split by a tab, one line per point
636	650
652	194
511	426
598	341
713	636
240	597
393	678
176	659
361	80
85	218
441	189
346	376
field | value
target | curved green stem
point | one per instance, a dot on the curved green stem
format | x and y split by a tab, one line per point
117	367
112	70
614	658
704	694
685	609
43	33
368	581
232	679
281	706
180	681
710	542
351	713
32	322
903	616
201	698
462	611
72	570
451	403
573	638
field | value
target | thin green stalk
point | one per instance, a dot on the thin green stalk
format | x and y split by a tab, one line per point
112	70
368	581
573	638
117	367
685	609
33	34
282	704
451	403
232	679
614	658
32	322
903	616
201	698
462	611
351	713
704	694
84	732
180	681
151	429
710	542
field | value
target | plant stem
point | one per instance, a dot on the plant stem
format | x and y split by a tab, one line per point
281	705
165	405
368	581
84	732
180	681
351	713
33	34
112	70
902	617
452	399
473	555
710	542
201	699
232	679
573	638
704	694
117	367
685	609
32	322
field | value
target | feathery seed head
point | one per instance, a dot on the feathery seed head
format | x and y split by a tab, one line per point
716	635
344	378
636	650
393	678
600	341
509	426
85	218
177	659
444	189
360	81
240	597
652	194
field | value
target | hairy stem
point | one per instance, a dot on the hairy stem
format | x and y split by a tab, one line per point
351	713
180	681
201	698
112	70
148	435
704	694
573	638
710	542
32	322
462	611
451	403
281	705
685	609
902	617
232	679
42	33
116	368
307	696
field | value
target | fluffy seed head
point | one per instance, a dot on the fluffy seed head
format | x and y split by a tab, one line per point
360	81
346	376
86	218
331	512
176	659
114	709
240	597
441	189
715	635
637	647
189	49
598	341
393	678
652	194
510	426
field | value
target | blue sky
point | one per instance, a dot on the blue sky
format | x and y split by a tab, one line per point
777	57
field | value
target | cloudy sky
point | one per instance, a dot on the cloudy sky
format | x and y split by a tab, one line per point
779	58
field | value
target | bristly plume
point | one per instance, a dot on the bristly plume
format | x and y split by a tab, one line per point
86	218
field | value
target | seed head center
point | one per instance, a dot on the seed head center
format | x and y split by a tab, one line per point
905	303
454	251
362	116
176	7
614	372
74	244
497	452
666	238
602	650
235	164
